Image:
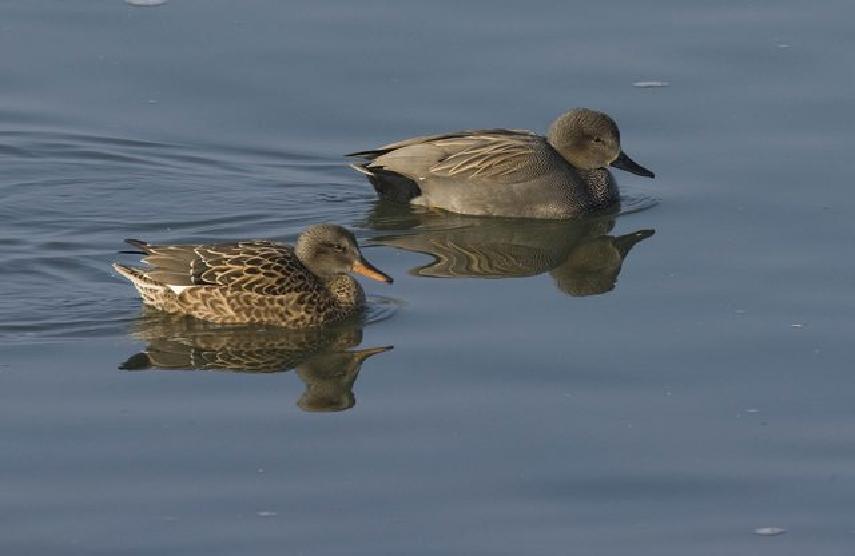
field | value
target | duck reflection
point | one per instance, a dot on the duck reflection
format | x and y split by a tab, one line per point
580	255
322	358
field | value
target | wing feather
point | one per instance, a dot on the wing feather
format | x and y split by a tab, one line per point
263	267
487	155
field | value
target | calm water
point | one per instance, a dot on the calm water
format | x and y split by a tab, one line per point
554	388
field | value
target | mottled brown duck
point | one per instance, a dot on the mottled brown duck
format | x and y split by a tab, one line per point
257	282
507	172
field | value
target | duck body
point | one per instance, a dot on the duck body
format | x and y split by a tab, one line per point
511	173
257	282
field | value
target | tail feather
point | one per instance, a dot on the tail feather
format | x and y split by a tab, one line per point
370	154
169	262
388	184
135	275
362	168
393	186
142	246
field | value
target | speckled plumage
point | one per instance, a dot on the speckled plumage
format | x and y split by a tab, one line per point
501	172
261	282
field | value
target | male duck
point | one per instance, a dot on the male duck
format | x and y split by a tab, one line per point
502	172
261	282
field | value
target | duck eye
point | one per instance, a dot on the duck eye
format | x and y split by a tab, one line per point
334	247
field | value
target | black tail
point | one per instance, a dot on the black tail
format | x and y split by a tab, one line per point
369	154
137	362
389	185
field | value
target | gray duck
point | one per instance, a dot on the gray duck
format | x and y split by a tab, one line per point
507	172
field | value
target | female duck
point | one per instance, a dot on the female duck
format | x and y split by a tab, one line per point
261	282
503	172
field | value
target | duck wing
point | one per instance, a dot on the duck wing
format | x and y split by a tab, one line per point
262	267
488	153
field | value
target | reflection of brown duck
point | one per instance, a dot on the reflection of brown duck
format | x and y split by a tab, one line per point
321	356
580	255
329	378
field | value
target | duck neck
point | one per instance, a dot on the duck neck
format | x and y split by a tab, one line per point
345	290
601	186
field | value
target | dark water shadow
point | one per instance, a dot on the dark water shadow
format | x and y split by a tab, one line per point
323	359
582	256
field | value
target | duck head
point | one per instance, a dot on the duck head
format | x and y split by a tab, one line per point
328	250
588	139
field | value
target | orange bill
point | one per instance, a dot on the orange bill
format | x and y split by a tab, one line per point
366	269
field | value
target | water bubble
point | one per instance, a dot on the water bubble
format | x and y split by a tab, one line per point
769	531
145	3
650	84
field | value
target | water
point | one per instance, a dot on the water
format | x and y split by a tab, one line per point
666	381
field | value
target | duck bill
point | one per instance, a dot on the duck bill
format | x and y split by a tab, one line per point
625	163
363	354
368	270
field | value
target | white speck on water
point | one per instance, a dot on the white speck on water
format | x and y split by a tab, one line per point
740	311
152	101
752	410
797	325
145	3
650	84
266	513
769	531
783	45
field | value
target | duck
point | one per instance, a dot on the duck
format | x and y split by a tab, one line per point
506	172
257	282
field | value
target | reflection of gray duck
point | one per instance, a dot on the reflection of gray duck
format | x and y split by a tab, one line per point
321	356
579	254
593	266
501	172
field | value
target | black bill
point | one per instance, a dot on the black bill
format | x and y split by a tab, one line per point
623	162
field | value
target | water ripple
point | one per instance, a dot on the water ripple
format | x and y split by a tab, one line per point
70	198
